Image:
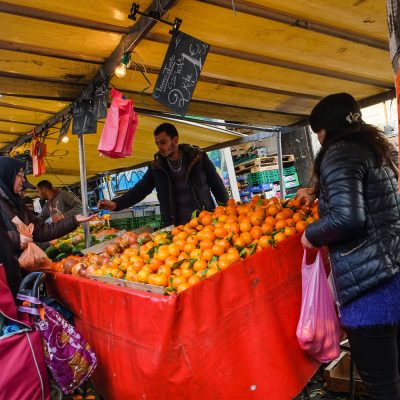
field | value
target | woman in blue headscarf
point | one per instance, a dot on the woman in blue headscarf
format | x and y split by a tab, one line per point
12	177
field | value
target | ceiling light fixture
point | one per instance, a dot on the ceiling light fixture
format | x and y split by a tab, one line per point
120	71
65	139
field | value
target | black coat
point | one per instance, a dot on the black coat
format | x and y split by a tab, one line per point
201	177
9	261
42	232
359	209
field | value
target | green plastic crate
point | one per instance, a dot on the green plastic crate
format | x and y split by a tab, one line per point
244	160
153	220
270	176
120	224
131	224
292	184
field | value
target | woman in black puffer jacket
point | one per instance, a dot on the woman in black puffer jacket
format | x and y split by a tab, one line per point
359	207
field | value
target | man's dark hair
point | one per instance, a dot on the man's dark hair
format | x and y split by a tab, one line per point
27	200
169	129
45	185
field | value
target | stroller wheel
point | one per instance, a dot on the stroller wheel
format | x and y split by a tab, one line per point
56	392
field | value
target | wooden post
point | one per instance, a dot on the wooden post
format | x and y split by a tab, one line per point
393	20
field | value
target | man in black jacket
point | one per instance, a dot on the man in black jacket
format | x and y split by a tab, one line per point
183	176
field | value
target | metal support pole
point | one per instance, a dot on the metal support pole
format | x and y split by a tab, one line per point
82	168
231	173
280	164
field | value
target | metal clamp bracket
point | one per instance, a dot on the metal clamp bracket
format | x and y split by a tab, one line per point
155	16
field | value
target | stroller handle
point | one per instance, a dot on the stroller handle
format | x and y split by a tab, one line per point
31	283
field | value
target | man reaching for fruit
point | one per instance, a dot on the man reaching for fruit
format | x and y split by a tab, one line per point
183	176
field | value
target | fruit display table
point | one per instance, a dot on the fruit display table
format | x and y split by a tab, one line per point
232	336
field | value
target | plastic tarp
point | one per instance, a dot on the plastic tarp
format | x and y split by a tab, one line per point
230	337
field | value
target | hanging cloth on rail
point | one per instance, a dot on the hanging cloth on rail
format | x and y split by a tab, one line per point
38	153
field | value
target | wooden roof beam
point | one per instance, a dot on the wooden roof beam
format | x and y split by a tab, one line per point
222	51
24	108
31	12
8	133
378	98
300	22
17	122
24	86
33	78
47	52
53	89
135	34
232	83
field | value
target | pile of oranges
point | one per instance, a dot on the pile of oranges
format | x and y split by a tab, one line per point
209	243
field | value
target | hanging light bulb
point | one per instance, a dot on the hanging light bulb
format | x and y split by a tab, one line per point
65	139
120	71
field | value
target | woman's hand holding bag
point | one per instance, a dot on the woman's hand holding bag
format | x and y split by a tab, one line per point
318	331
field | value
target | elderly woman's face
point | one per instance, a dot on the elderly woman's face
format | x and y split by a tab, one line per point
19	180
321	136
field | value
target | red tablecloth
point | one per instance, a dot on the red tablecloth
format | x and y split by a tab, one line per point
229	337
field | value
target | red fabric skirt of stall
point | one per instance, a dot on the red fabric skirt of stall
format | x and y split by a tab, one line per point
230	337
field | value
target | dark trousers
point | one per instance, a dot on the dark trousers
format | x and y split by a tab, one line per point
376	353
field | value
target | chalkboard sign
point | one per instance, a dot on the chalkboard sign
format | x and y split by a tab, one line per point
66	122
180	72
84	120
100	101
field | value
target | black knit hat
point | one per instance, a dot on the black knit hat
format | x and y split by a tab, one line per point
335	112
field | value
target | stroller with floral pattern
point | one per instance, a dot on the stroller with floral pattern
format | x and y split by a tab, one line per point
67	354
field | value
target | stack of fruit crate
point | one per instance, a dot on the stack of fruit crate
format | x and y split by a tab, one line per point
261	176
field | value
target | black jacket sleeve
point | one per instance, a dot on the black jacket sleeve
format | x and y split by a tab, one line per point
214	181
343	171
142	189
43	232
9	261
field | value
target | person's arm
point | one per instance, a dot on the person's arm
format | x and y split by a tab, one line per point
142	189
343	173
45	213
44	232
215	182
71	204
10	264
14	238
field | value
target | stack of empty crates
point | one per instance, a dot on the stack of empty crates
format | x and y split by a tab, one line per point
257	173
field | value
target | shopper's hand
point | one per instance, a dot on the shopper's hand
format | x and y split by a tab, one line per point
24	241
305	242
81	218
106	205
57	217
306	196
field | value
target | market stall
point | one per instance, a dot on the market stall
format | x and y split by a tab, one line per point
230	337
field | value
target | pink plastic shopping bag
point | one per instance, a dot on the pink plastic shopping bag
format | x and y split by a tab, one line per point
318	331
109	135
130	135
119	129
